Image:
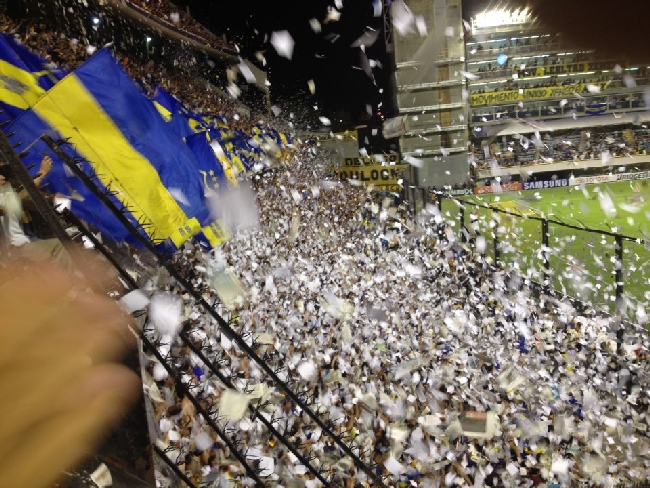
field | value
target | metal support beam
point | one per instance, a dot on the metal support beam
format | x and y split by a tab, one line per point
619	275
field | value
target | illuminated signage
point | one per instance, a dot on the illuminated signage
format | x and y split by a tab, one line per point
497	17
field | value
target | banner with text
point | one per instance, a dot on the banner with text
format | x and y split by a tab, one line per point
459	192
568	68
530	94
382	172
541	185
482	190
590	180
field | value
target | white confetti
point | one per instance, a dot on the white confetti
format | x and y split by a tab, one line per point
315	25
165	313
307	370
283	43
102	476
402	17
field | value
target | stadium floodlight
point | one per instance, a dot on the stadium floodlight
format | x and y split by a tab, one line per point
499	17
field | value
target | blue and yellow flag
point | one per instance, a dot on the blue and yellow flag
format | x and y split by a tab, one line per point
208	164
179	117
129	147
24	78
27	130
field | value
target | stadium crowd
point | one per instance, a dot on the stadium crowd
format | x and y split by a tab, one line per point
397	332
552	81
524	151
402	335
171	15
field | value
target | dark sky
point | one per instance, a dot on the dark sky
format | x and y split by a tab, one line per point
345	83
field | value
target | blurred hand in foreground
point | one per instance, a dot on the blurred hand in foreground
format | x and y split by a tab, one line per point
60	388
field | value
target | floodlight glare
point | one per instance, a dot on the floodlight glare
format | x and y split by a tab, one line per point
498	17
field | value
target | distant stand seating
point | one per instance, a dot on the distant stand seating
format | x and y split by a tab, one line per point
174	18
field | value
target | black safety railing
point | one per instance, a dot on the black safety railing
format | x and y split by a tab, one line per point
602	269
301	403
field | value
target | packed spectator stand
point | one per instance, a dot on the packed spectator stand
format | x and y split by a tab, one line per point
179	19
403	337
570	146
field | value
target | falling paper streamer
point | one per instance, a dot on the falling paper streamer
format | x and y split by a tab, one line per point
102	476
480	244
283	43
134	301
228	287
377	6
402	17
165	312
418	163
607	204
203	441
236	206
421	25
560	466
307	370
159	372
393	466
248	74
315	26
469	76
233	405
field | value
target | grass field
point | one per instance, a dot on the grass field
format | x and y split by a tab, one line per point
582	263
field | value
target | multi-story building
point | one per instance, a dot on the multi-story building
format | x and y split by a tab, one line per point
498	79
525	83
430	62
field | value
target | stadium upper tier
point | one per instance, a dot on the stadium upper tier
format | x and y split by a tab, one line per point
516	71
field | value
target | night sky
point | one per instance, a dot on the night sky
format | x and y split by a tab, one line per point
352	85
346	87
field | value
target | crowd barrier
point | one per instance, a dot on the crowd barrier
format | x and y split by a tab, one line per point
600	269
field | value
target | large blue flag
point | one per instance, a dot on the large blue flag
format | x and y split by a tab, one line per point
27	130
129	147
24	78
180	118
208	164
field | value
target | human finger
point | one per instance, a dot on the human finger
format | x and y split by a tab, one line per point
52	323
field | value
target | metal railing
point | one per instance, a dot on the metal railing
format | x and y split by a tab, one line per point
303	408
604	270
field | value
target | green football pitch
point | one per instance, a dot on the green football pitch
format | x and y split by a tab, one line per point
582	263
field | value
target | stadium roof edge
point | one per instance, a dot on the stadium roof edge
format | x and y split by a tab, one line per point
136	16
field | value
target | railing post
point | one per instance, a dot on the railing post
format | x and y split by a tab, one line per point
439	200
497	255
619	274
461	215
545	253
